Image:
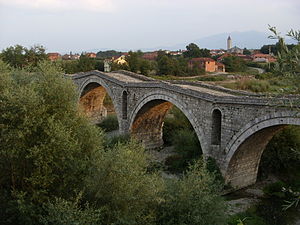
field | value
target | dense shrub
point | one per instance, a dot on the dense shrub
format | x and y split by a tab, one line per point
246	218
234	64
193	199
120	183
280	156
45	144
109	123
187	146
175	120
63	212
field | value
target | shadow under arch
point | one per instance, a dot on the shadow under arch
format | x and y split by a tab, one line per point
154	107
244	151
92	93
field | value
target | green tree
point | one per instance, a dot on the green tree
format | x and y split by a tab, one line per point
121	185
45	144
234	64
18	56
288	59
85	63
193	51
14	56
193	199
35	54
246	51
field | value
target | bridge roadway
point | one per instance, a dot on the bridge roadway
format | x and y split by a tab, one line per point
232	126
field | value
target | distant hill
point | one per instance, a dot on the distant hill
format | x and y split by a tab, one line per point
247	39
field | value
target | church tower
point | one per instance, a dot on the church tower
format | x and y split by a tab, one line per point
229	43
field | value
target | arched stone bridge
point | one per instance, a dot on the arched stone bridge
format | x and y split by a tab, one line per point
233	127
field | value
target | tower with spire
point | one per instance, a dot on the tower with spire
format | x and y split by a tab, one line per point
229	43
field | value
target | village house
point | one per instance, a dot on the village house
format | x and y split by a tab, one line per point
53	56
71	56
121	59
263	58
207	64
150	56
91	55
242	56
214	52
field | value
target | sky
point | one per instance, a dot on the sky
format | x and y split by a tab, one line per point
83	25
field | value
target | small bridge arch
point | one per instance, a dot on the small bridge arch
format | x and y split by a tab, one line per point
245	149
92	93
147	118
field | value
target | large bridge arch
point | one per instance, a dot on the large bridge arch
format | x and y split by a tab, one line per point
245	149
163	102
92	92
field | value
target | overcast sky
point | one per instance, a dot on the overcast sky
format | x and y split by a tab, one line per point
80	25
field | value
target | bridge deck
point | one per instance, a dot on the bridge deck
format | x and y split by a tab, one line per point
124	78
204	90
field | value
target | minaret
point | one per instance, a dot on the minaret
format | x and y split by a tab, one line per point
229	43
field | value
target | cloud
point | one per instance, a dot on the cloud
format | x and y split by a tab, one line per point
63	5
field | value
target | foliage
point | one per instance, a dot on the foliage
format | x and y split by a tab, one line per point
85	63
82	65
110	142
187	147
234	64
212	167
45	144
250	85
288	59
137	64
108	54
246	51
280	155
275	189
120	183
19	57
109	123
193	199
70	212
175	120
193	51
246	218
212	78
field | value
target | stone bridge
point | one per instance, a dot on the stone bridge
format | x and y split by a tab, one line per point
233	127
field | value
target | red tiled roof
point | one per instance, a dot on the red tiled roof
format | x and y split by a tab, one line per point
202	59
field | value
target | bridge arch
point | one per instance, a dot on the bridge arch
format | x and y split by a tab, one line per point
148	107
245	149
92	93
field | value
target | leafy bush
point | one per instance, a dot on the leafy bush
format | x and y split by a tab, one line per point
175	120
110	123
280	156
212	78
250	85
193	199
45	145
120	183
110	142
212	167
63	212
275	189
246	218
187	147
234	64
